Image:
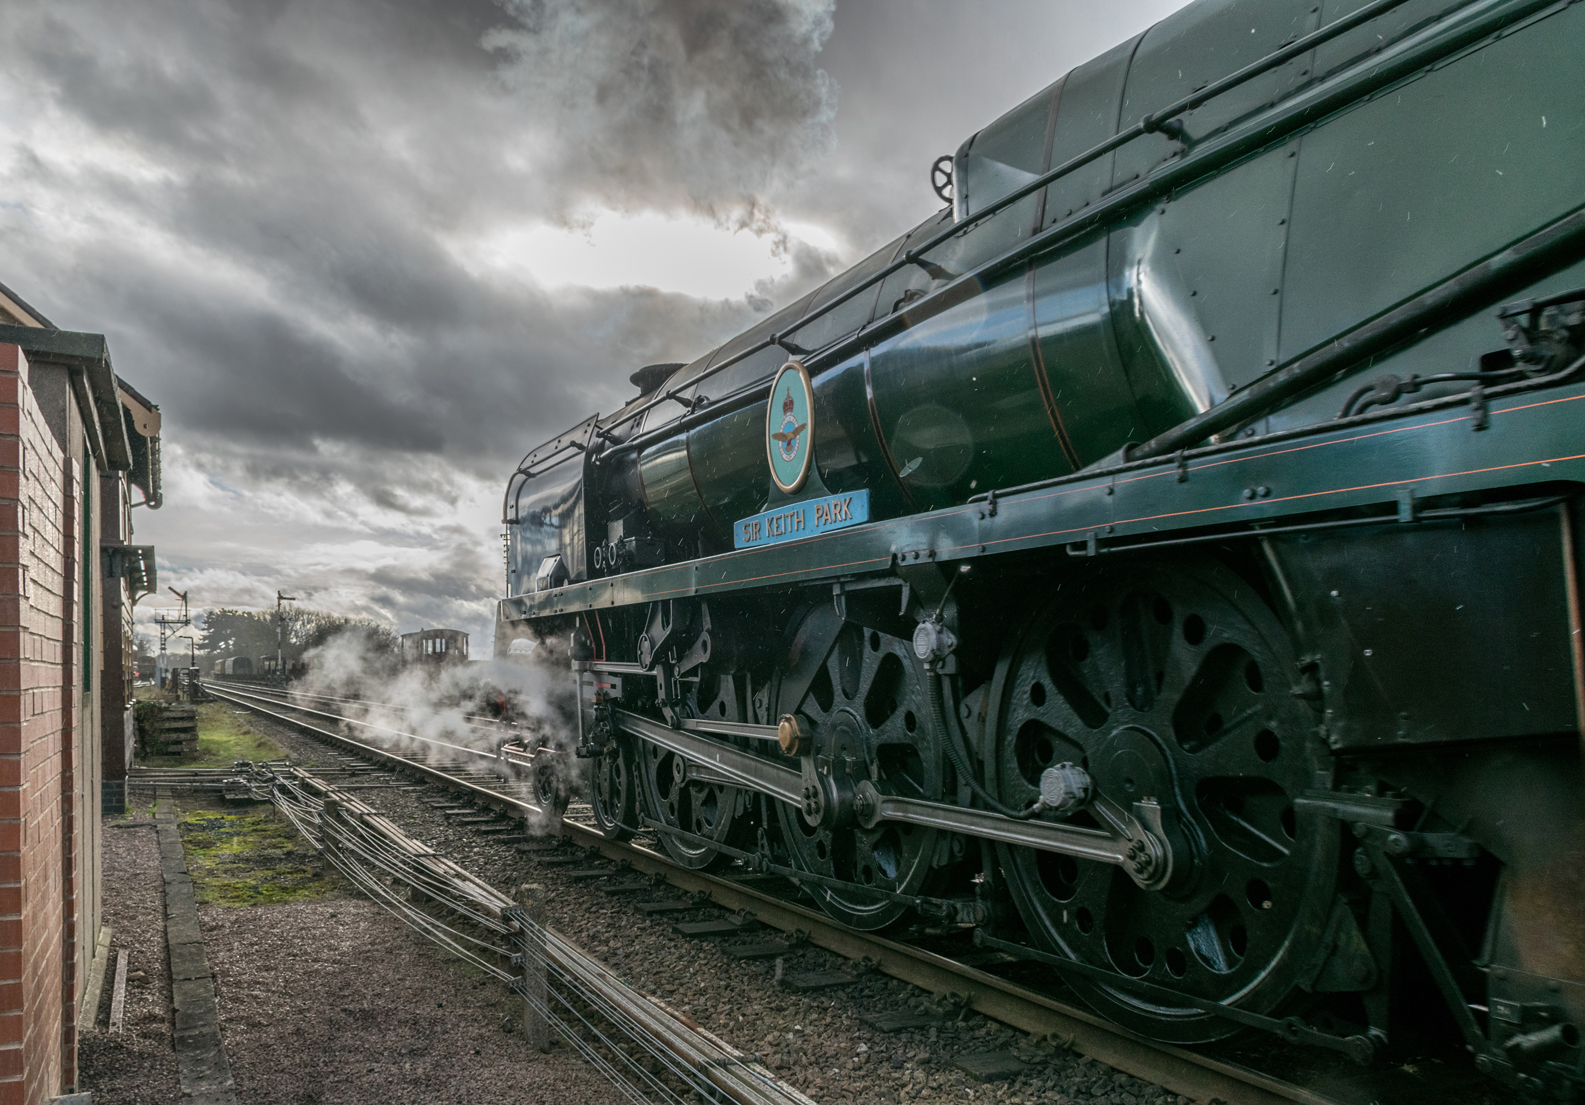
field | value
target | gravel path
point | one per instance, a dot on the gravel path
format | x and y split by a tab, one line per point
137	1065
817	1042
330	1001
335	1000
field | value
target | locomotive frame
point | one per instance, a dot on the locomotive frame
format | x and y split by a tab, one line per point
1262	722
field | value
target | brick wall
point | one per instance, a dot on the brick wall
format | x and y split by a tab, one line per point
47	875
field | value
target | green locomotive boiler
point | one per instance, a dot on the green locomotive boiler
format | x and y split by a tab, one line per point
1162	562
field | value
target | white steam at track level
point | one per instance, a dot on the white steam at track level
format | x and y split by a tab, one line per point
443	713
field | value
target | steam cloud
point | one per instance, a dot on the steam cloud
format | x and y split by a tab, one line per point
438	713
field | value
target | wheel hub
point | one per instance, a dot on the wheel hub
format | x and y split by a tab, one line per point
713	813
1169	684
866	711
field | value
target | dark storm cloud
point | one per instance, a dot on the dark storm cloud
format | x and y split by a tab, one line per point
273	209
656	103
920	76
284	187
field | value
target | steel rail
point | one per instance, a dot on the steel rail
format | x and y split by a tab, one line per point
473	721
1182	1071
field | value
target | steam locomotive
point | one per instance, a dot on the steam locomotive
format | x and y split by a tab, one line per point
1162	560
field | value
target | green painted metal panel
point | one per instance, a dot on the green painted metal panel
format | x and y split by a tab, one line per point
855	312
848	453
1006	155
1369	37
998	160
1087	115
910	282
1196	45
1421	180
1095	405
958	402
1452	349
669	490
1201	279
548	511
751	368
730	472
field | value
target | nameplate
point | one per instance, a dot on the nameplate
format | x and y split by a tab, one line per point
805	519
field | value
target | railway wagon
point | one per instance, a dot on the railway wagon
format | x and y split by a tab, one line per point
434	646
1163	560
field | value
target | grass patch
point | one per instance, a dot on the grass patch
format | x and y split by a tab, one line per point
250	858
224	736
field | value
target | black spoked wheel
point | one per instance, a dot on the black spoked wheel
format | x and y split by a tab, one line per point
550	791
613	795
868	713
675	795
1173	683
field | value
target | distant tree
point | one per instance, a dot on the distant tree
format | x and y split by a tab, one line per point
312	628
228	632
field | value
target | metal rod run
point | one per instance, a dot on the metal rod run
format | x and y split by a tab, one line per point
1481	285
741	768
758	863
1096	548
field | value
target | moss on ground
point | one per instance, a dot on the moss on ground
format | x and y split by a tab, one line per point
224	736
254	857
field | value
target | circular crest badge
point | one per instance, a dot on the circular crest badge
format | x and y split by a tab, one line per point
788	432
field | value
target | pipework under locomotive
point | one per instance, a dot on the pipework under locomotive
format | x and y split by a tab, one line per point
1163	560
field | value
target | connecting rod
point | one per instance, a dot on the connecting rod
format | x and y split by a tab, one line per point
1135	841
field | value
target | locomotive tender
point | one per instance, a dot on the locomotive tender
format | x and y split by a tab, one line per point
1164	559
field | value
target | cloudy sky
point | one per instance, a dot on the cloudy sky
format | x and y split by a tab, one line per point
366	253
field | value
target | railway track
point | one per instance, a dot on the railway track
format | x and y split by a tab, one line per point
506	781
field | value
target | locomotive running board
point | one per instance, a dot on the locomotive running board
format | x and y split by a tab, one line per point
723	763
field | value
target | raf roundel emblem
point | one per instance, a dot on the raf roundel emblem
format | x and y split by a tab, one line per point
788	431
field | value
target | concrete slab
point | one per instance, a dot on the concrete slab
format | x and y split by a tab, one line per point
899	1022
202	1069
675	905
766	950
723	927
803	982
991	1066
189	961
97	970
183	930
194	999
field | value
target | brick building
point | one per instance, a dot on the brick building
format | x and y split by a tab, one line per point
63	437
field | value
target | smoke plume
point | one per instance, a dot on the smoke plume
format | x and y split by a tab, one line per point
710	105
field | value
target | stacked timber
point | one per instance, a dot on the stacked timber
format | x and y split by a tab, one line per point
173	731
